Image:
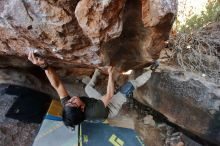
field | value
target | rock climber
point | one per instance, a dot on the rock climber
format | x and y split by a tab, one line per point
96	106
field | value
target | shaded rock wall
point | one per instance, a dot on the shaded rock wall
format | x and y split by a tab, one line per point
86	33
186	100
140	42
27	79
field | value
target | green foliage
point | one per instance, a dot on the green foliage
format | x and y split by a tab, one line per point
211	14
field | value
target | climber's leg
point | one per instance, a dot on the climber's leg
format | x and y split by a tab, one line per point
141	80
115	104
90	91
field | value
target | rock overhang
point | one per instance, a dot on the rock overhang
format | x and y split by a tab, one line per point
83	33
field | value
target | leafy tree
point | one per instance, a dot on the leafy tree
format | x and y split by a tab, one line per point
210	14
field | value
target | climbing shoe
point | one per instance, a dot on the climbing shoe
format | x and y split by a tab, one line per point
154	65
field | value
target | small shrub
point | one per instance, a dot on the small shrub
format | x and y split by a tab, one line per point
210	14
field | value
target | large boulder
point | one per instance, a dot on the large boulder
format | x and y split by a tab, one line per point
82	34
186	99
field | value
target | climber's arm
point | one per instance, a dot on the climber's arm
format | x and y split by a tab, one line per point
51	75
56	82
110	88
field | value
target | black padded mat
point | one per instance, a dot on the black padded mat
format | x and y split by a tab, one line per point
30	105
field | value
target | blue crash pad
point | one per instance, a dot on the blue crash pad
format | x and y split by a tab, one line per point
100	134
53	132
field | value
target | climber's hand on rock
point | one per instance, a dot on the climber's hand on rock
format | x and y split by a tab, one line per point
106	69
110	70
36	60
154	65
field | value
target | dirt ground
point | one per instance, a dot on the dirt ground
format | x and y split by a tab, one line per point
14	132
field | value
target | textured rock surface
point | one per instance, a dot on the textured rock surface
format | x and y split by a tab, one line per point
186	100
26	79
100	20
84	33
157	15
36	79
155	12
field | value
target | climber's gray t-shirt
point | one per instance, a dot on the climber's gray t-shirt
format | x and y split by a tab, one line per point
94	109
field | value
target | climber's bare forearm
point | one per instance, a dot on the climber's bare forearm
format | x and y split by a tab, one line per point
56	82
51	74
110	87
110	91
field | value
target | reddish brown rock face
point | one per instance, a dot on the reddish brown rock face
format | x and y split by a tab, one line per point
72	33
100	20
158	16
